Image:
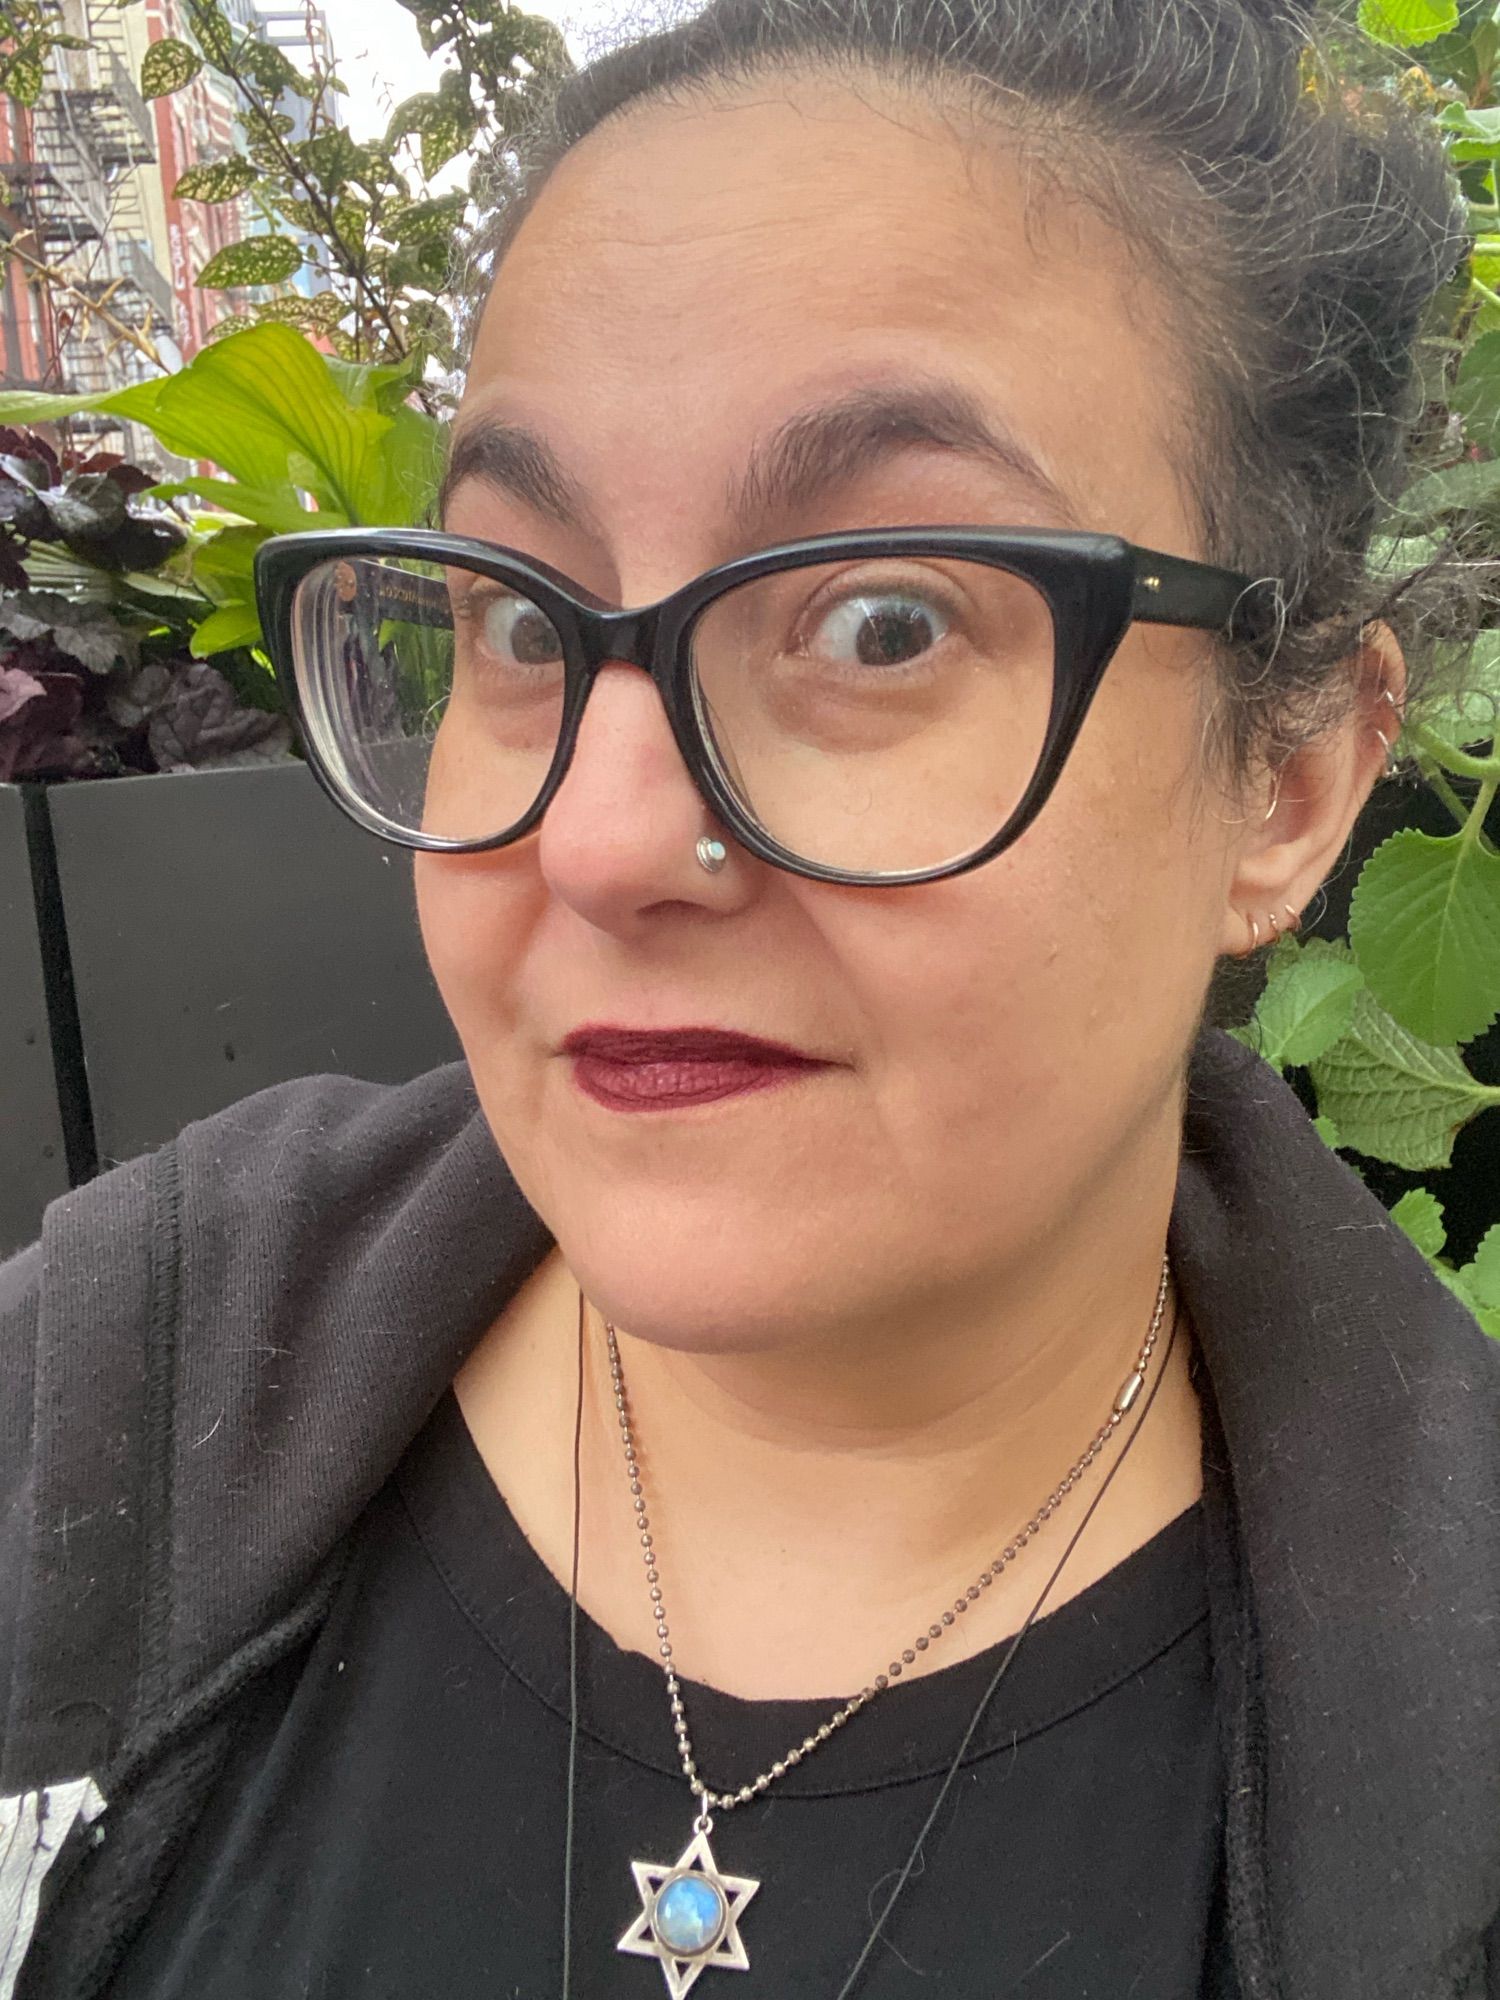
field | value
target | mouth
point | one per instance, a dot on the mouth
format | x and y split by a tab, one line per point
662	1069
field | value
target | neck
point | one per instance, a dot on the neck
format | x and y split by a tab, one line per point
815	1506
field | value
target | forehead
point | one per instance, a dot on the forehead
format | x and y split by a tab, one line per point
694	269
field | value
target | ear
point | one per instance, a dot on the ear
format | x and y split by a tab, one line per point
1314	800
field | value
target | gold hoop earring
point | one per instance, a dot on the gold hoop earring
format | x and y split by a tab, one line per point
1275	796
1275	927
1254	936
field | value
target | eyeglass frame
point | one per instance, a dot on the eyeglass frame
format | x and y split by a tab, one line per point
1096	586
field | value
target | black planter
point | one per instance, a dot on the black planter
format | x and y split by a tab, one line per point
212	933
33	1154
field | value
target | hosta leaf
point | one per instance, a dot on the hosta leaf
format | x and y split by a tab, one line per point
1419	1214
1424	922
1307	1006
167	66
1407	24
215	180
1392	1096
279	511
256	260
228	626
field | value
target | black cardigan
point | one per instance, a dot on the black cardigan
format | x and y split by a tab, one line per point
215	1356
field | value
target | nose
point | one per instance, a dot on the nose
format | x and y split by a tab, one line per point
620	836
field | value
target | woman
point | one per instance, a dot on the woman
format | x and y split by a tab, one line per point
844	1275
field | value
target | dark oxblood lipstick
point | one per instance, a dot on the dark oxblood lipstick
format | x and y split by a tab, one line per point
644	1069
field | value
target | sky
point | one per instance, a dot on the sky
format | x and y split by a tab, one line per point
380	58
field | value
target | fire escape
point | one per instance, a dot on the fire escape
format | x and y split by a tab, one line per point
79	195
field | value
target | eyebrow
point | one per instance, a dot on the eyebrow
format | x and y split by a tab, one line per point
811	455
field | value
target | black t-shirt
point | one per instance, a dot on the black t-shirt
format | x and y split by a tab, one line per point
391	1824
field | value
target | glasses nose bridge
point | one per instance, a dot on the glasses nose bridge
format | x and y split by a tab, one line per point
626	638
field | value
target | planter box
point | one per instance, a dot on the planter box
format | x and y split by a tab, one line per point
33	1154
224	931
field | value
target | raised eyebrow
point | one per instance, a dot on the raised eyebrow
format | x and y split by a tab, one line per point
811	454
831	444
518	461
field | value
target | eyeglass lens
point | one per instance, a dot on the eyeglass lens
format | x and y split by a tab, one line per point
876	715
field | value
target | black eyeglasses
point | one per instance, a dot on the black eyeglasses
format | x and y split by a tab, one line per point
873	707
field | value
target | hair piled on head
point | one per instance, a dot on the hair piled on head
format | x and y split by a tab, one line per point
1303	228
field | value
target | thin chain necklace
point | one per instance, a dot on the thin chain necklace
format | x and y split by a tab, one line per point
690	1909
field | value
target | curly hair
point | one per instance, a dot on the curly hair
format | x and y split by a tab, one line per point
1303	227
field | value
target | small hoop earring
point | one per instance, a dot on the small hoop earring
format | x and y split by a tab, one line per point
712	854
1275	796
1293	917
1254	936
1275	927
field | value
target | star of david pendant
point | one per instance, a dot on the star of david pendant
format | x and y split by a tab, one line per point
690	1914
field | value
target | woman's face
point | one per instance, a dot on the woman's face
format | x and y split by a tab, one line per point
1003	1048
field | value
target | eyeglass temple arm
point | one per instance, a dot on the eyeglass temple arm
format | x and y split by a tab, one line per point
1172	590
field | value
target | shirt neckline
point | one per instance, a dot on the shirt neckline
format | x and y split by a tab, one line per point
1116	1627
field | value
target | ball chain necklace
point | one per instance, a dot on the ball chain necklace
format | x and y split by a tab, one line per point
690	1909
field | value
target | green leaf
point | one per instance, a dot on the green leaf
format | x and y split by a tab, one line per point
1424	922
255	260
215	36
229	626
167	66
22	78
331	158
1307	1006
1392	1096
1328	1132
277	510
232	323
1419	1214
1472	135
1482	1277
38	406
1458	488
215	180
1470	715
1408	24
1476	393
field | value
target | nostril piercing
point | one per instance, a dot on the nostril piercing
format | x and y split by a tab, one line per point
712	854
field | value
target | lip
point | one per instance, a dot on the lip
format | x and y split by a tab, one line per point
662	1069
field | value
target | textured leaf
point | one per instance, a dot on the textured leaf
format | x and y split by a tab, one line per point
1470	715
22	78
255	260
215	180
1392	1096
1419	1214
215	36
1475	483
1472	135
1476	393
1483	1276
1424	922
1408	24
233	323
1306	1007
204	727
167	66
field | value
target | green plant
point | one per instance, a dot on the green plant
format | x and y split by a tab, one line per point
1377	1026
366	221
305	439
97	675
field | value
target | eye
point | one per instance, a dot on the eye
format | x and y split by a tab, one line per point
513	630
881	629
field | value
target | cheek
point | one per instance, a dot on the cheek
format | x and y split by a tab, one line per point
475	912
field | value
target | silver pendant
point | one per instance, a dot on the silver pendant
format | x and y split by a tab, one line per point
690	1914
